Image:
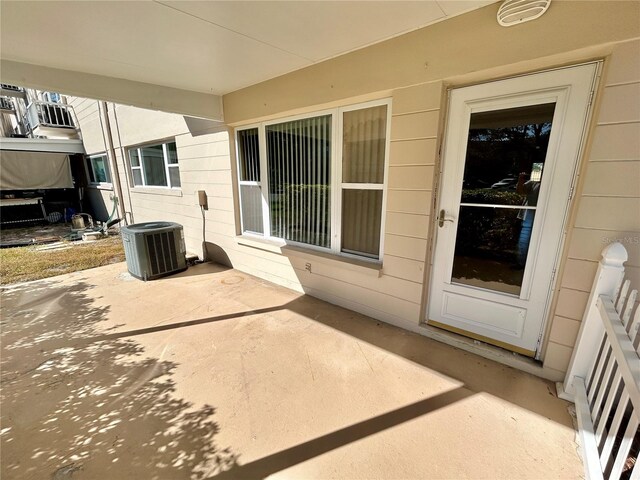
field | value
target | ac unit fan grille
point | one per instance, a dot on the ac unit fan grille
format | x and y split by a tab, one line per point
161	248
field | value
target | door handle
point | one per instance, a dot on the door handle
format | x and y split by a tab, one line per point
443	218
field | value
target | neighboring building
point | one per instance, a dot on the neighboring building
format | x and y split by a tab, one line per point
366	179
41	171
155	163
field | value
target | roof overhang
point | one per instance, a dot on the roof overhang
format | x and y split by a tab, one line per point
42	145
100	87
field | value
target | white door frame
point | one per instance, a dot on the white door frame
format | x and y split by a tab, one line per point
571	88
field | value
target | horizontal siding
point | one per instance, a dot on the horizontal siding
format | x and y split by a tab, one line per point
608	208
564	331
409	201
405	247
579	274
407	225
557	356
414	125
614	178
616	105
404	268
205	164
587	244
608	212
571	303
411	177
413	152
616	142
417	98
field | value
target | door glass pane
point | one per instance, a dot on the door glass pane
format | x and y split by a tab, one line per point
492	246
361	220
299	160
363	144
506	151
504	167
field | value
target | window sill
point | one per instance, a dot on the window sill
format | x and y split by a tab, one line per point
366	267
173	192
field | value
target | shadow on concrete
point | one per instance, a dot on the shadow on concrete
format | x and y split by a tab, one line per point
73	392
284	459
476	373
412	347
93	410
173	326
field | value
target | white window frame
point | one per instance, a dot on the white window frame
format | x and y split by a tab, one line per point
262	183
167	165
336	184
91	171
52	97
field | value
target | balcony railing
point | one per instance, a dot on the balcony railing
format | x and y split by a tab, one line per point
50	119
6	86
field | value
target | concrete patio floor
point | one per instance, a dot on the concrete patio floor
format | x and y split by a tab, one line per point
213	373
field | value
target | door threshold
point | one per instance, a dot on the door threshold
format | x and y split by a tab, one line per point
491	352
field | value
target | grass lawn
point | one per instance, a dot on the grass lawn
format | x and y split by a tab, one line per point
22	264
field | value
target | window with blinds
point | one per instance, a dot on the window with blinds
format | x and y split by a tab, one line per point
299	164
249	181
313	188
364	134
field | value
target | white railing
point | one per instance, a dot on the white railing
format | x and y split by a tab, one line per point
14	88
604	373
49	114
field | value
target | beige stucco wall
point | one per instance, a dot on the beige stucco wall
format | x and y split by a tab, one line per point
415	70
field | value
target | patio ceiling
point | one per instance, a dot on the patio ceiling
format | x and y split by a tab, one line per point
195	50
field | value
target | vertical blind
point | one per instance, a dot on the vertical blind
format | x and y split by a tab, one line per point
295	184
299	161
363	145
249	174
364	134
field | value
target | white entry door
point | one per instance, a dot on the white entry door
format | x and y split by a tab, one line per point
510	152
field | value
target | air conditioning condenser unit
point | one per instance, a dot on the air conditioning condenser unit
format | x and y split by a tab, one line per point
154	249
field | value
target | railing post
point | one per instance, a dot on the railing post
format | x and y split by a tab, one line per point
609	275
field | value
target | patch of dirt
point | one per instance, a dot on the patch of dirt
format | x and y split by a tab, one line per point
55	231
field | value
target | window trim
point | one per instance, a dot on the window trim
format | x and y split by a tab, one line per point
88	164
336	184
262	183
165	157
